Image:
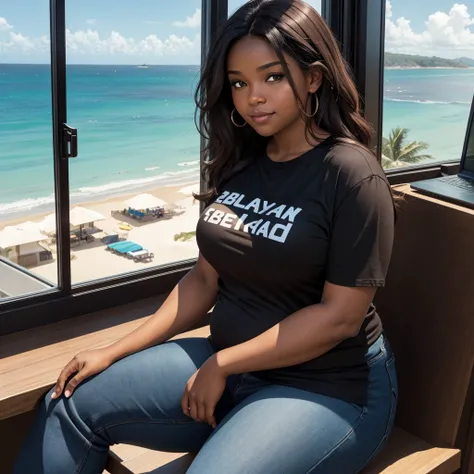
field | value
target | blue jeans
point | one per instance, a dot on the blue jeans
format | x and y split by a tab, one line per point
262	428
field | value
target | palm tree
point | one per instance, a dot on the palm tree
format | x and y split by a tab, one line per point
395	152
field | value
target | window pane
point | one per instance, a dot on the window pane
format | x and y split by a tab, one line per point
427	98
26	151
234	4
131	75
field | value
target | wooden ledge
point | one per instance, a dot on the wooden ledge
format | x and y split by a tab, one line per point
30	361
407	454
404	454
406	191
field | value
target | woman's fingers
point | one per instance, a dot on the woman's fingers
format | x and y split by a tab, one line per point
201	411
70	369
193	410
185	403
188	406
210	416
75	381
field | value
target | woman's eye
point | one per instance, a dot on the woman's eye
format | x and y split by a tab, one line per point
275	77
237	84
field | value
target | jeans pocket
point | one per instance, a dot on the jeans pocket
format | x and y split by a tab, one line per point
376	351
392	375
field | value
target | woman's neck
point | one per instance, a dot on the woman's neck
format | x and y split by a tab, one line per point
290	143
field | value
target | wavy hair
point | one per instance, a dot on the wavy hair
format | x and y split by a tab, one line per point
292	27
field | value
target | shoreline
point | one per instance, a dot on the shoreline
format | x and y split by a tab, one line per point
116	194
169	193
90	261
427	67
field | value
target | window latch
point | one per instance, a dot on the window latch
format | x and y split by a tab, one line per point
70	141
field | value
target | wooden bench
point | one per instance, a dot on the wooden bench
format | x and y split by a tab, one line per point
31	360
430	333
404	454
28	368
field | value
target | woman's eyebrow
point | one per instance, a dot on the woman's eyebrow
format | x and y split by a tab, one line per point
260	68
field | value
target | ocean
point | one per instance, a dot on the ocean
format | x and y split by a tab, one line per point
136	127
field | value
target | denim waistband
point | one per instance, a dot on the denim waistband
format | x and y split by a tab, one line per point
380	347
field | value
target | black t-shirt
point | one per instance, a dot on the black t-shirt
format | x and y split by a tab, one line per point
278	231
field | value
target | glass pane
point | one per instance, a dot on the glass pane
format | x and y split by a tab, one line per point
27	252
428	87
234	4
131	75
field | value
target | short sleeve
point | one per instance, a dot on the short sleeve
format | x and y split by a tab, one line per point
362	235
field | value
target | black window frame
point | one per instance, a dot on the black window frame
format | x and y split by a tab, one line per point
67	300
360	31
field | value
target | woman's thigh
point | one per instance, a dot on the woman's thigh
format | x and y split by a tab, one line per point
137	400
283	430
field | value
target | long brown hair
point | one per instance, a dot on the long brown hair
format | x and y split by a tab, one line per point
292	27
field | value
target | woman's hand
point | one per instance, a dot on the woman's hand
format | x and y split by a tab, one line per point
84	365
203	390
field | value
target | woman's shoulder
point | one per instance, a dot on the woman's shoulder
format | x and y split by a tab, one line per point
350	163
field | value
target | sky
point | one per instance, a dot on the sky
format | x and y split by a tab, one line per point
168	32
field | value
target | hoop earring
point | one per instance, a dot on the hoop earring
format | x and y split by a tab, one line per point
315	109
233	120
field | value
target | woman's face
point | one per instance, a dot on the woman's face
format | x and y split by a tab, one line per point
261	91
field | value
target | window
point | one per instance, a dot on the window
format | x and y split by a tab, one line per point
130	81
118	58
26	151
235	4
131	75
429	81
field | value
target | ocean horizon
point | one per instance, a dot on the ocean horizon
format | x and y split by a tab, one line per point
136	127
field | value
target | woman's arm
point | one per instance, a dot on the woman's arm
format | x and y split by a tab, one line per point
186	305
304	335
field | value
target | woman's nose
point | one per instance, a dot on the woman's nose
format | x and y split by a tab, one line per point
257	98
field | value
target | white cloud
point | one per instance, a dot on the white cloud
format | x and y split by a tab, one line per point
193	21
91	21
446	34
22	43
90	43
4	25
86	44
19	45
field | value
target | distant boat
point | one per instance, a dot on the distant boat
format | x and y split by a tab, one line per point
143	66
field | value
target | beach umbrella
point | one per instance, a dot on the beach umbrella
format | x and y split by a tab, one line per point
81	215
77	217
145	201
21	234
29	226
48	224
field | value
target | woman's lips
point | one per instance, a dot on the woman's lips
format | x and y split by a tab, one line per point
262	118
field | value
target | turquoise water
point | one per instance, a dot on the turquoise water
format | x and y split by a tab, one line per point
136	127
433	104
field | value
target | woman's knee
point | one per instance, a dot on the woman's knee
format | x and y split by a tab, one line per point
148	382
81	407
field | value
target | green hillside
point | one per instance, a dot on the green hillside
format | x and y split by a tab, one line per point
467	61
408	60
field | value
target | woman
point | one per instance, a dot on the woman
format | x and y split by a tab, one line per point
297	376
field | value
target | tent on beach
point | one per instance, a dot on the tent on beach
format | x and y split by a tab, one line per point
78	216
145	201
26	235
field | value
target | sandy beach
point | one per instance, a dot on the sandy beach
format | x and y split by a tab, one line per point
91	261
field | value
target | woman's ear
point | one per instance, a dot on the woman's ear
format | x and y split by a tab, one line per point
315	78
